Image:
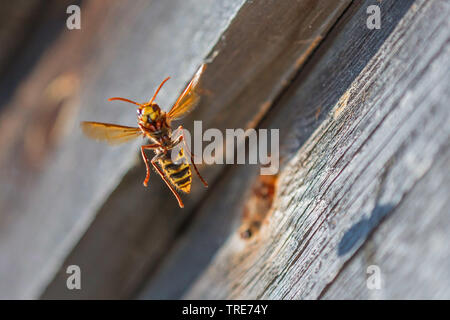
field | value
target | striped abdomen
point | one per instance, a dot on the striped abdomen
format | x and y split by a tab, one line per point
179	174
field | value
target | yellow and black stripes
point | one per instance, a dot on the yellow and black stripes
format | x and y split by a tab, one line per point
179	173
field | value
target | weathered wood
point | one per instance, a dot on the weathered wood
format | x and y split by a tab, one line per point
324	79
62	200
247	68
381	145
320	85
410	249
364	132
27	29
15	20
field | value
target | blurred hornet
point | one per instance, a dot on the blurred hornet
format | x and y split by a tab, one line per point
155	124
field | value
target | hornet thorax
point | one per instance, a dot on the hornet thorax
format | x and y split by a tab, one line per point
152	120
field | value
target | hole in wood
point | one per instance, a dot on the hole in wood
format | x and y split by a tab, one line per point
258	205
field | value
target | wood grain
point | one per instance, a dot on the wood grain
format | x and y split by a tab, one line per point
122	49
248	66
410	248
364	129
298	113
376	149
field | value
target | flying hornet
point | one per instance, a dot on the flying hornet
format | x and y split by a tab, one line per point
155	124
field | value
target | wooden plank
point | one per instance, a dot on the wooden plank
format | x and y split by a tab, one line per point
245	73
387	132
15	20
410	248
318	87
123	48
27	29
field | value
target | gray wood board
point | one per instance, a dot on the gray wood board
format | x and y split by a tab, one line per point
318	87
139	44
411	248
260	51
388	131
27	28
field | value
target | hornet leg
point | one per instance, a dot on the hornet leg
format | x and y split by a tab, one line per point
144	156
